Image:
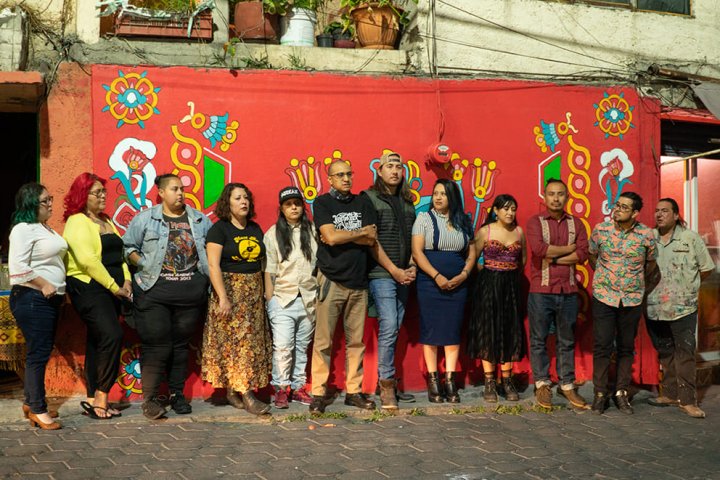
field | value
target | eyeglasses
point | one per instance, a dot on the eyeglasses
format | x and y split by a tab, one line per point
46	201
98	193
624	208
340	175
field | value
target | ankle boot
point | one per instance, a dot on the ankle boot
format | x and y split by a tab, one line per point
253	405
450	389
433	387
490	391
388	400
234	399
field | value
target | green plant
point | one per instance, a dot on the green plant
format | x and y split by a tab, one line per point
417	412
333	415
297	62
282	7
174	6
396	5
344	29
378	415
295	417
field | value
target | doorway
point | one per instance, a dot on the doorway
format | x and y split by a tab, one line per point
693	183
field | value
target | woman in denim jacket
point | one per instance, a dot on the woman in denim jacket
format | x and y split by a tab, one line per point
167	245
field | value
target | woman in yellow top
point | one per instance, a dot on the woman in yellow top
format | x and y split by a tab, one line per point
98	279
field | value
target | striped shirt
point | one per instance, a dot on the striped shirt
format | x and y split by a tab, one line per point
451	239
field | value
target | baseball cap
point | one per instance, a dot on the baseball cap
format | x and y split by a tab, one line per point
389	157
289	192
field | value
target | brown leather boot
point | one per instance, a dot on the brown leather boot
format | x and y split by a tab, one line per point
388	399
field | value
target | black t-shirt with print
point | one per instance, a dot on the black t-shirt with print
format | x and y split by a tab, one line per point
180	282
243	249
345	264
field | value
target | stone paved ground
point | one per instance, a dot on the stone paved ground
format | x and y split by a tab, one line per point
429	442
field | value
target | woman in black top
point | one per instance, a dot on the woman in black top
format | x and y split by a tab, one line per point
237	348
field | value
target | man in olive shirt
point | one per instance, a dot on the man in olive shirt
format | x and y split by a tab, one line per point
684	262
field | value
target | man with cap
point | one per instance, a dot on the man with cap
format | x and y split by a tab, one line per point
346	223
290	292
390	271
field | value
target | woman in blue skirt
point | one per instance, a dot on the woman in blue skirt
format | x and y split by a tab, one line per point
443	250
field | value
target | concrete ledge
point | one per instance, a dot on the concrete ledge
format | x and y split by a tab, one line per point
118	51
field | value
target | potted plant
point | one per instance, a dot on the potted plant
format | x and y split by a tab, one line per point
377	23
342	33
256	20
298	21
161	18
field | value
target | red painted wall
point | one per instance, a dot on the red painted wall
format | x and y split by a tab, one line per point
283	127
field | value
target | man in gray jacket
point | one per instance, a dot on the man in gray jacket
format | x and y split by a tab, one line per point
390	270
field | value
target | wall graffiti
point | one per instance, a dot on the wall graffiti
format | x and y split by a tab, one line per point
130	379
614	115
198	137
131	99
614	176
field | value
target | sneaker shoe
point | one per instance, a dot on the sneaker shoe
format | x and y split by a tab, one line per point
543	396
573	397
153	408
622	402
281	397
179	404
490	391
301	396
359	400
317	405
663	401
692	410
511	393
600	403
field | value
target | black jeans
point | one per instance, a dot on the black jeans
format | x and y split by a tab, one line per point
618	324
37	317
544	309
99	309
675	344
165	330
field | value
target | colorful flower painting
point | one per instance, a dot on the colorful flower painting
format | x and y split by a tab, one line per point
614	115
131	99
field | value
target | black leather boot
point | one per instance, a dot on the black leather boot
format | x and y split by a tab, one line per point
434	390
451	389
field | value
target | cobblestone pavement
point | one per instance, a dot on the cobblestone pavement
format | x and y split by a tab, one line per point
469	441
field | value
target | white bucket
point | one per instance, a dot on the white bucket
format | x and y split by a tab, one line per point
298	28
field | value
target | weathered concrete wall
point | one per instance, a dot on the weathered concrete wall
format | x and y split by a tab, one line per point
494	36
13	44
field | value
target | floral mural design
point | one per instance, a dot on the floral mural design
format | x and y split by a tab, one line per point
615	174
131	99
129	378
614	115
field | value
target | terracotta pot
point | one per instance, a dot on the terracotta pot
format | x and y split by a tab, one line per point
252	23
376	27
343	43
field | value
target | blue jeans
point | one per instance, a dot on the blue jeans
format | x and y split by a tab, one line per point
390	298
292	330
37	317
544	310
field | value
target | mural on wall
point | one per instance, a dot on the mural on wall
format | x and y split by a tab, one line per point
198	137
131	99
129	379
614	115
614	176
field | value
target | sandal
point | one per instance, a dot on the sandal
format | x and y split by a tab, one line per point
90	411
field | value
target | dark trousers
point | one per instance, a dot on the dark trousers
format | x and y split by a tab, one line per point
544	310
165	331
37	317
675	344
99	309
618	324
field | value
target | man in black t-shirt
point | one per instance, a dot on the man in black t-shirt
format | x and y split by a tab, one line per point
346	224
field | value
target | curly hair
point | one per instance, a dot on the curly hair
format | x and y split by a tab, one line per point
27	203
222	208
76	198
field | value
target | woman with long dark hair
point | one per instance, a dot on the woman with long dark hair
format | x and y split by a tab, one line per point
290	292
495	333
237	348
443	249
97	279
37	276
167	245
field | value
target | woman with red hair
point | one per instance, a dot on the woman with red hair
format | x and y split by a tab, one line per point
97	279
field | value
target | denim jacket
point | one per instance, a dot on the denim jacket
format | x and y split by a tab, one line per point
148	234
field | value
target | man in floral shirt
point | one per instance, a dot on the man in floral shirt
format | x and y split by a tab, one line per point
622	252
671	318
